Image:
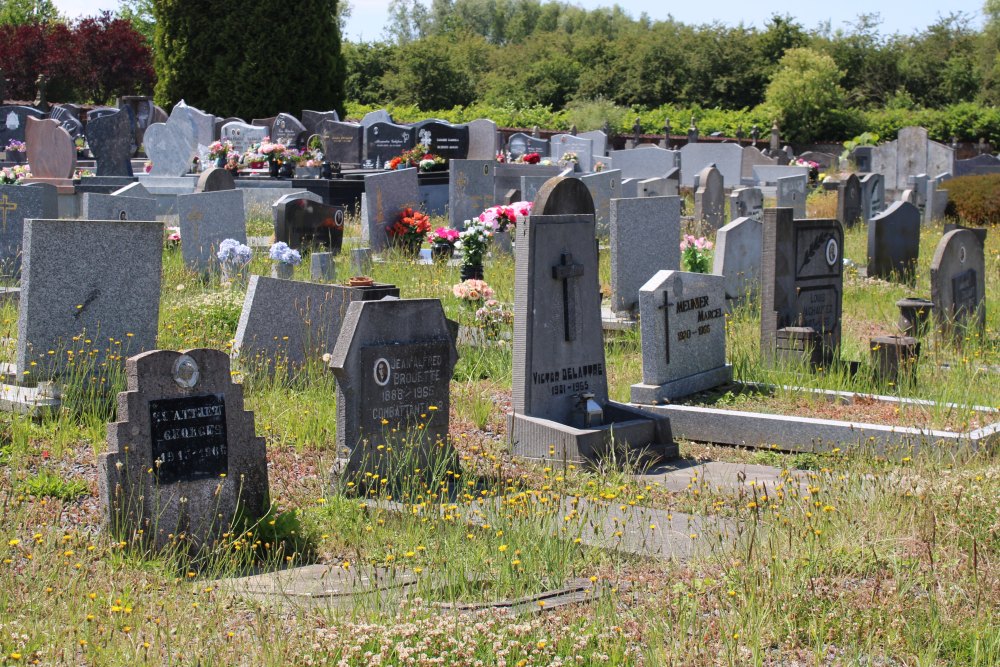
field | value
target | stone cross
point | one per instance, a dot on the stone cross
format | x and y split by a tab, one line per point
563	271
42	83
636	131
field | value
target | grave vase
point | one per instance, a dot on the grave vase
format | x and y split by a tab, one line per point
282	270
235	273
287	170
272	168
16	157
442	252
220	162
472	271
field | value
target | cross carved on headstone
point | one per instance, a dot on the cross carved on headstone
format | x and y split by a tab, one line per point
563	271
6	205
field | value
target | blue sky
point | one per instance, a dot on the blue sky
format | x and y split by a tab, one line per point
368	16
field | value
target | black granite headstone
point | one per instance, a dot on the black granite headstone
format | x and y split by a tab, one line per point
444	139
13	120
342	142
286	129
385	141
110	137
298	220
520	144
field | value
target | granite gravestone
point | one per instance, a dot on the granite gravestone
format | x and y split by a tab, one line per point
894	242
483	140
13	120
911	153
184	458
68	118
393	362
958	284
849	201
872	195
96	206
51	151
979	165
171	147
768	175
342	142
133	190
560	144
600	145
384	141
470	189
386	195
936	199
683	325
312	120
727	158
304	218
107	290
287	324
751	158
110	139
604	186
242	135
17	204
215	179
560	401
645	238
746	203
738	251
710	197
791	193
449	141
646	162
377	116
206	220
521	144
144	112
286	129
802	281
202	125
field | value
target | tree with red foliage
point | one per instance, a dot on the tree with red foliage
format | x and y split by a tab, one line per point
117	59
38	48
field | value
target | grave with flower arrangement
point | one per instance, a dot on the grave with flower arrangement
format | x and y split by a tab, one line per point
387	194
206	219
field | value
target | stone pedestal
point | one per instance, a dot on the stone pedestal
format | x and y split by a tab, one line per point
914	316
795	345
894	359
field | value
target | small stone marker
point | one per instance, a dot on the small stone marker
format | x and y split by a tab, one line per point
802	280
110	139
746	203
206	220
709	197
17	204
645	238
215	179
958	284
393	362
96	206
386	195
184	458
849	201
791	192
683	325
322	267
738	251
303	217
894	242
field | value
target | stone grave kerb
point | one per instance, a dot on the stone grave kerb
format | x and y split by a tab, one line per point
202	505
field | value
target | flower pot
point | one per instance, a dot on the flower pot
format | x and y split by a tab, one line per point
272	169
234	273
16	157
287	170
441	251
282	270
220	162
470	271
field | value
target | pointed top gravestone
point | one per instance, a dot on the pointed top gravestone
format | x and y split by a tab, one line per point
849	201
110	139
51	151
738	248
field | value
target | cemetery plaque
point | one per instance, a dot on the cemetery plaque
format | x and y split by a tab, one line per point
188	437
384	141
958	284
342	142
894	242
521	144
449	141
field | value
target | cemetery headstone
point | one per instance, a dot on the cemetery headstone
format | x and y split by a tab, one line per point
603	186
709	197
68	118
342	142
746	203
393	362
560	144
13	120
206	220
483	140
738	252
17	204
849	201
911	153
936	199
384	141
386	195
791	193
981	164
171	147
727	158
894	242
107	288
144	112
215	179
521	144
802	280
312	120
751	158
202	125
242	135
470	189
958	284
96	206
184	457
646	162
377	116
322	267
110	139
301	218
872	195
683	325
286	129
449	141
133	190
769	175
645	238
51	152
600	145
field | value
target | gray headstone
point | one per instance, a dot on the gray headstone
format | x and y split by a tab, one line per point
660	187
378	116
683	324
110	139
728	159
322	267
767	175
645	238
746	203
215	179
202	125
171	147
133	190
738	252
894	242
207	219
530	185
981	164
910	154
287	324
107	288
393	362
242	135
183	457
95	206
646	162
791	193
508	177
386	195
710	198
917	187
561	144
802	276
311	120
17	204
872	195
849	201
600	145
470	189
751	158
826	161
484	141
521	144
604	186
936	199
958	284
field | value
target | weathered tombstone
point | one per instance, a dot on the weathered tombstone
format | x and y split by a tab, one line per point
107	290
791	193
738	251
916	190
746	203
242	135
110	138
646	162
604	186
322	267
872	195
206	220
561	409
171	147
303	217
683	325
710	197
849	201
51	152
645	238
386	195
727	158
751	158
312	120
342	142
802	281
894	242
769	175
384	141
393	362
600	139
958	284
449	141
96	206
13	120
483	140
286	129
17	204
202	125
560	144
68	118
910	154
470	189
215	179
377	116
286	325
521	144
183	461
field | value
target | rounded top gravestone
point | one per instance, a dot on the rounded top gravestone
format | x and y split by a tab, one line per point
215	179
958	282
563	196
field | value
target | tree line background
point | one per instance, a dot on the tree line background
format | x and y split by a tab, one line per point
518	61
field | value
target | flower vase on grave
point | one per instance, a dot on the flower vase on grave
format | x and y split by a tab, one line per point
287	170
282	270
441	251
16	157
235	274
272	168
472	271
220	162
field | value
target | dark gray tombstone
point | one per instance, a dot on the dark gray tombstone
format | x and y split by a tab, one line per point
746	203
802	280
521	144
386	195
111	139
981	164
184	458
872	195
301	218
449	141
738	251
342	142
143	111
384	141
17	204
286	129
312	120
13	120
894	242
849	201
206	220
377	116
958	285
68	117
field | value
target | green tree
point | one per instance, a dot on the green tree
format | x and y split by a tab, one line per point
806	95
140	13
23	12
